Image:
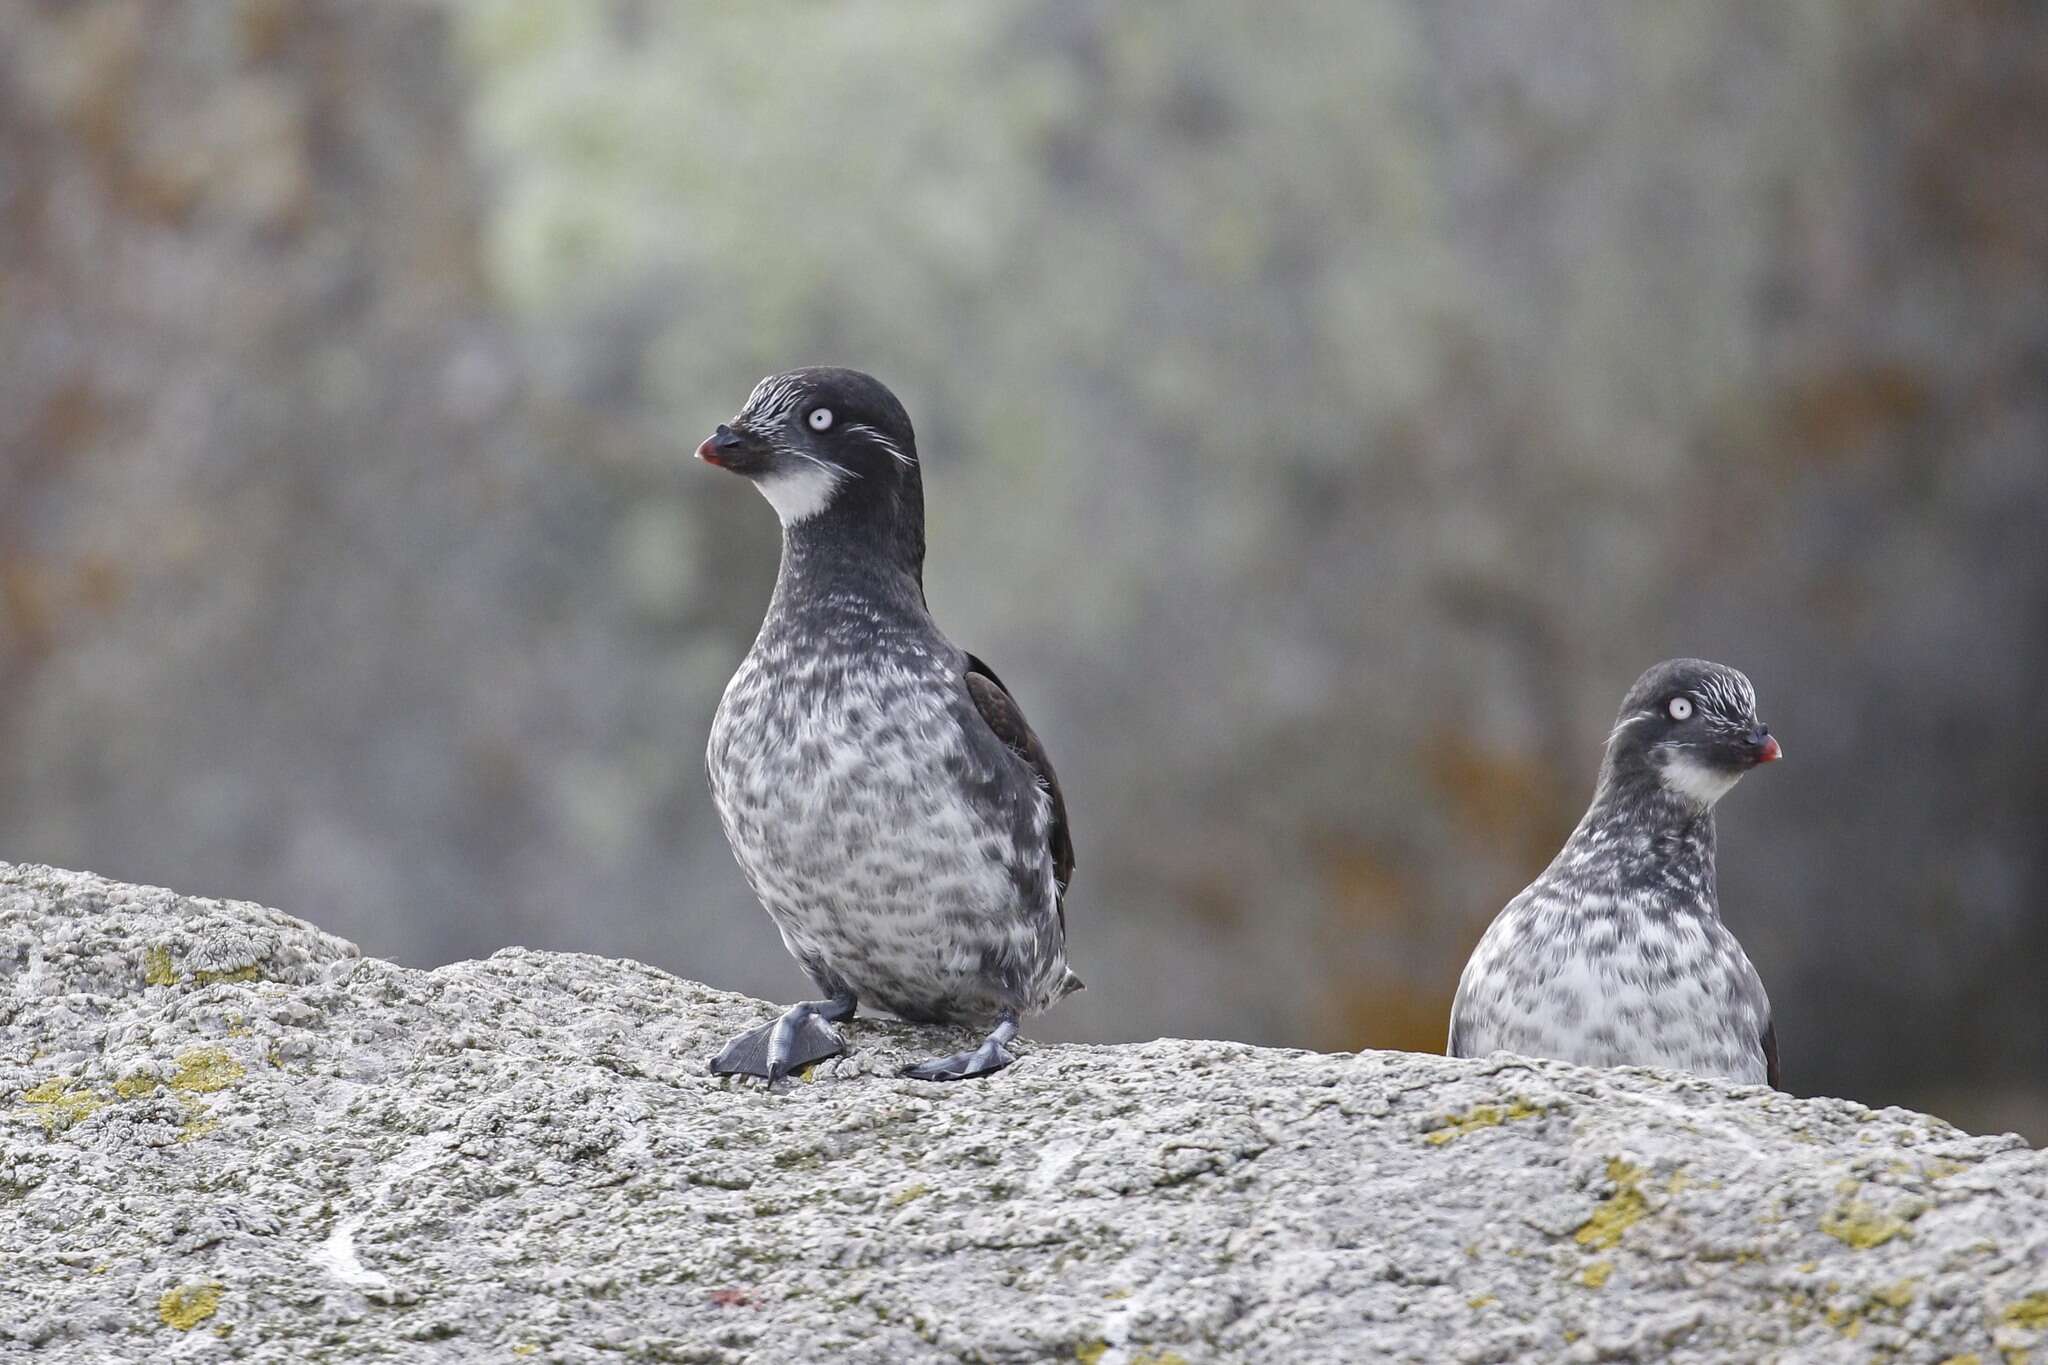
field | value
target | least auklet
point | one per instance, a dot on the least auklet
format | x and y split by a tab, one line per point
1616	955
883	794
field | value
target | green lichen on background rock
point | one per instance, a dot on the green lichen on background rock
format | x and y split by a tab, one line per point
524	1157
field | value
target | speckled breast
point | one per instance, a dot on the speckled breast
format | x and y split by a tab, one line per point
837	788
1611	985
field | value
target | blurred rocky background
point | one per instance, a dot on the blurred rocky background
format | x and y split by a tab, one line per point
1328	410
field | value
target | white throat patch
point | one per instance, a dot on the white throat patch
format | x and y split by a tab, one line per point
799	494
1691	778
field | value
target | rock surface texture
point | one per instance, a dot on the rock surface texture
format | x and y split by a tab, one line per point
227	1135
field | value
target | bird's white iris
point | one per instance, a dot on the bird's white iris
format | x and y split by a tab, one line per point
1681	709
821	419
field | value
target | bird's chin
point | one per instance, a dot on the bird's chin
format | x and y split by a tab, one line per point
1696	779
800	493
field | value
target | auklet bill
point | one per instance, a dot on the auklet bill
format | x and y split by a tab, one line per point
880	788
1616	955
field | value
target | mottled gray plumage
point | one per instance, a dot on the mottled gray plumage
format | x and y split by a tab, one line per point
880	789
1616	955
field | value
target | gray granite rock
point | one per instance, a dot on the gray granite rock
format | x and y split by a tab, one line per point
225	1135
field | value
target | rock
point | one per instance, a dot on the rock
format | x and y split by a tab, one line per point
225	1134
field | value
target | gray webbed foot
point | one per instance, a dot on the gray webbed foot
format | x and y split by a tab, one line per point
992	1056
802	1037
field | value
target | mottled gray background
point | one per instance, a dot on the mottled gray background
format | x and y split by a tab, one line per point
1328	410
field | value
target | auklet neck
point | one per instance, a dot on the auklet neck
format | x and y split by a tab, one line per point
866	527
1640	834
832	564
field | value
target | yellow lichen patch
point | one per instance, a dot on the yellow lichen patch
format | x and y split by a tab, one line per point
1159	1358
526	1348
1619	1211
1089	1352
58	1105
157	969
1972	1358
1595	1275
198	1120
1479	1301
1849	1321
188	1305
902	1197
1116	1294
135	1085
2032	1311
245	973
1482	1116
1941	1168
1857	1224
205	1069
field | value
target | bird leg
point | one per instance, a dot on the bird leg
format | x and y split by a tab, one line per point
802	1036
992	1056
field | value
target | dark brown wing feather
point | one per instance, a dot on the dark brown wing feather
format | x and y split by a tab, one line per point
1770	1041
1006	719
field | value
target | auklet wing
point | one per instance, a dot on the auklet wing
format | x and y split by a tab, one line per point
1000	710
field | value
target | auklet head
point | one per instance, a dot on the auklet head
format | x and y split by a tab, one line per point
822	440
1690	728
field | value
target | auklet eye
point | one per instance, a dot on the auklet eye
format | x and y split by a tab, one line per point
1681	708
820	419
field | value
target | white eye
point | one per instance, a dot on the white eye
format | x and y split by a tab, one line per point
820	419
1681	709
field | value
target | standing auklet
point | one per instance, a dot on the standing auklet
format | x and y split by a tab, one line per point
1616	955
881	790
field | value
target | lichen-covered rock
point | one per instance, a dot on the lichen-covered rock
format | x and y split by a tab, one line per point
223	1134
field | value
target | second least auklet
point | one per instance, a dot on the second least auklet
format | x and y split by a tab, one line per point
1616	955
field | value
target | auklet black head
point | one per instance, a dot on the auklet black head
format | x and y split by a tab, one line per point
1689	728
832	451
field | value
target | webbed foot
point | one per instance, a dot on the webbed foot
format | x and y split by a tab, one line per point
802	1037
992	1056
